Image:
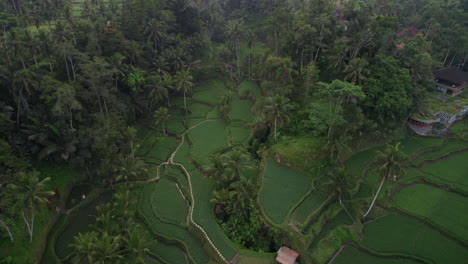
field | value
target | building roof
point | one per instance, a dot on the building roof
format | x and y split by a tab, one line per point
286	256
452	75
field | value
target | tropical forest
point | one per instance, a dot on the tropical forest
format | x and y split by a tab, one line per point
234	131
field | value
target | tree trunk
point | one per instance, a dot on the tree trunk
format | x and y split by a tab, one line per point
375	197
238	59
71	118
66	66
185	102
7	229
346	210
275	128
164	129
30	226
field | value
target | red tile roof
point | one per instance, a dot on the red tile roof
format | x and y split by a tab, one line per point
286	256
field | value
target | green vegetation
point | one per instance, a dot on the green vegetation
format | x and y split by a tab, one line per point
444	209
209	131
353	255
409	237
281	189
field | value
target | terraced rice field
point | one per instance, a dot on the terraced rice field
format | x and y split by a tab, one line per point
443	208
352	255
281	189
163	205
395	234
311	204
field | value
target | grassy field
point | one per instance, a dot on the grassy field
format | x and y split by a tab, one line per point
413	145
397	234
281	189
240	109
208	138
249	89
309	206
238	134
303	151
351	255
450	171
446	209
171	232
446	148
167	253
168	203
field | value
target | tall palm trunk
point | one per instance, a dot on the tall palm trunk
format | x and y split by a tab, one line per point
29	225
185	101
375	197
275	128
346	210
7	229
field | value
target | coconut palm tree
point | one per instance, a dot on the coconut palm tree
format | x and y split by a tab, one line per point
6	204
234	29
108	249
224	105
277	110
183	80
136	242
341	185
83	248
31	193
356	70
236	163
129	167
161	116
389	163
241	193
155	32
215	166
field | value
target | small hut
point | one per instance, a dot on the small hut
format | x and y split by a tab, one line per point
286	256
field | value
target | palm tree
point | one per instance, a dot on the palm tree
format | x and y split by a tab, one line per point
356	70
222	197
341	185
224	104
46	43
135	242
389	163
6	204
250	40
183	80
83	248
130	167
154	30
215	167
277	109
23	83
108	249
161	116
32	193
236	163
234	31
241	193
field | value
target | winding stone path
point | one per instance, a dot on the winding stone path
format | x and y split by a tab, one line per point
170	161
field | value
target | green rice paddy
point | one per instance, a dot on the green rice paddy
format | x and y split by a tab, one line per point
397	234
313	202
351	255
281	189
168	203
445	209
